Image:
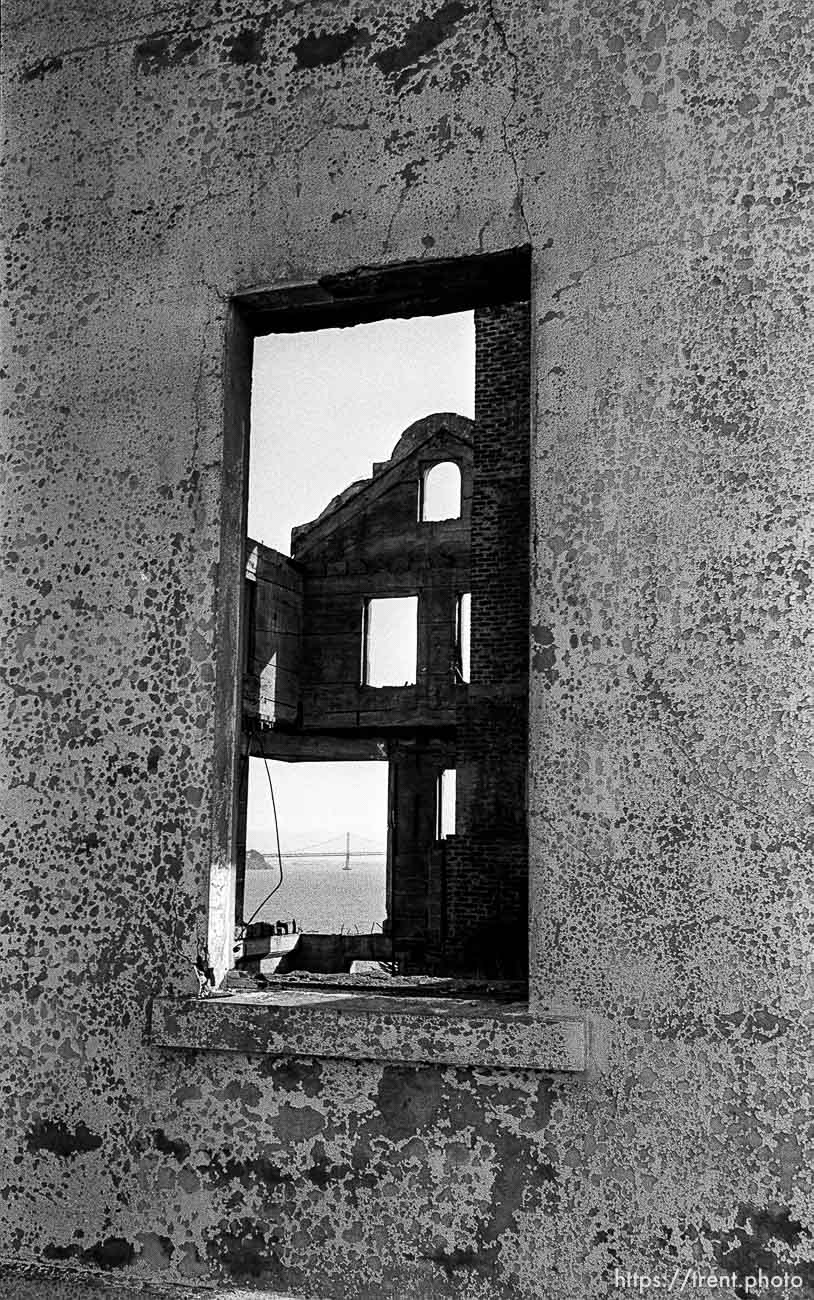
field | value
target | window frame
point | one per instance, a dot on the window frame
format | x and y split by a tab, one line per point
402	1030
426	287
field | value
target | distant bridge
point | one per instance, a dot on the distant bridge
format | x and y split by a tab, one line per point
354	853
331	849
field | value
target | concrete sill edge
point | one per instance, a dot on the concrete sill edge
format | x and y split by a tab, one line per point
366	1027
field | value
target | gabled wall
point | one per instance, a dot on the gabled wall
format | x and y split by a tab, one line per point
371	544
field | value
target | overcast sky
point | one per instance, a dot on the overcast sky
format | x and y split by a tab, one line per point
325	405
317	802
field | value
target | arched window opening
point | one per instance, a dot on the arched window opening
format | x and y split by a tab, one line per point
440	493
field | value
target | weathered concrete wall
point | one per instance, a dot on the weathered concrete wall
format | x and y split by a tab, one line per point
655	157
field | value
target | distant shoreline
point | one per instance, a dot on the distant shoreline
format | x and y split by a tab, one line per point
271	865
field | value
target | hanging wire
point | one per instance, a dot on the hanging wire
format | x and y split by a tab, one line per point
273	891
252	736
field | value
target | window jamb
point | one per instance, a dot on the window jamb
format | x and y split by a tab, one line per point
461	677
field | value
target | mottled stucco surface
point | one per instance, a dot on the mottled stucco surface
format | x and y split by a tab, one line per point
657	157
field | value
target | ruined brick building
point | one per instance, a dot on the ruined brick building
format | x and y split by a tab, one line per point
456	903
621	194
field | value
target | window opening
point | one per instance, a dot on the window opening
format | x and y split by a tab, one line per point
390	641
439	494
337	555
333	839
463	607
445	803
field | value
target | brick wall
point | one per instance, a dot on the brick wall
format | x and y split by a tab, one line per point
487	864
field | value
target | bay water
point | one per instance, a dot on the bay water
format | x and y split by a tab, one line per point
319	894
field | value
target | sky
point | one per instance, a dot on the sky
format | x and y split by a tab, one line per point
316	802
325	405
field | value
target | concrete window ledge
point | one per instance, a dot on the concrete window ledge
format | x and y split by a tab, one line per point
370	1027
35	1280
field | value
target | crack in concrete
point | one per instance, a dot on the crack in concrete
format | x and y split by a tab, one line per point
196	405
211	196
727	228
513	90
565	836
614	257
325	128
392	220
681	742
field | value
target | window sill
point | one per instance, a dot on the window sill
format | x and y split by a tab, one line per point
368	1027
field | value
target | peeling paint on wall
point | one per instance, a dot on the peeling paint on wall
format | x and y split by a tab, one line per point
656	160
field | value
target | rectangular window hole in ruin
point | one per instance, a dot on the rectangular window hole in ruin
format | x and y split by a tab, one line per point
463	612
390	641
445	804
